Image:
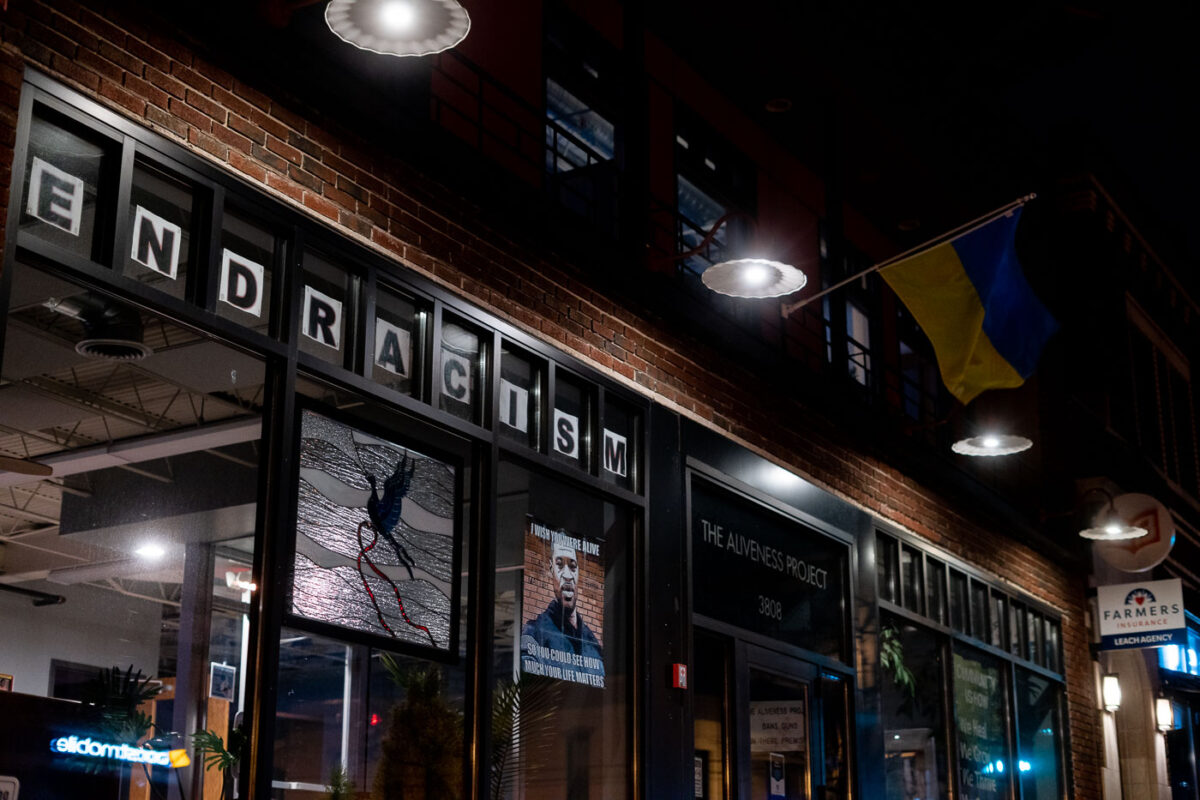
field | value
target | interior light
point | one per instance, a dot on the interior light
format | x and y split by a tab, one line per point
1111	692
151	551
992	444
754	275
397	15
1164	714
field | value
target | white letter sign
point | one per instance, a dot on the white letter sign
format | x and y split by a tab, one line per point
322	318
514	406
55	197
393	348
156	243
242	283
566	434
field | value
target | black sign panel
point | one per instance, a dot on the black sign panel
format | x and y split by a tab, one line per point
764	572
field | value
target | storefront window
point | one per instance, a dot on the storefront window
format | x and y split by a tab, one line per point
246	276
1038	736
561	692
570	433
980	719
127	573
372	670
914	730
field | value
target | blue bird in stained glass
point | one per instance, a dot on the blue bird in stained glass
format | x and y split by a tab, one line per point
384	512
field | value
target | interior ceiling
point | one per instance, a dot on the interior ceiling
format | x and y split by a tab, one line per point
83	414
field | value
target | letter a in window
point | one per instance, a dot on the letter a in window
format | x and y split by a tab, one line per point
55	197
156	243
322	318
242	283
393	348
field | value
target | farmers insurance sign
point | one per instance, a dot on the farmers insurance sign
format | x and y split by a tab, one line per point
1145	614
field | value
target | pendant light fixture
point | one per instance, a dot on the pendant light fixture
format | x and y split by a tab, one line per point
1107	524
399	27
992	444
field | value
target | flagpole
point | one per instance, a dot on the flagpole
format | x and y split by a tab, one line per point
787	309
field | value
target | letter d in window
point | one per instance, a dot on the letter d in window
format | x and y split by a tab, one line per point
242	283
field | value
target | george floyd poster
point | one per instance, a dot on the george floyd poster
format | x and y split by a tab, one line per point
562	635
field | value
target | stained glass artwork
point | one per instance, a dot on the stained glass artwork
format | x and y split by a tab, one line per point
376	540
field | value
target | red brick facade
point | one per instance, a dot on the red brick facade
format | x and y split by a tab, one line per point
309	162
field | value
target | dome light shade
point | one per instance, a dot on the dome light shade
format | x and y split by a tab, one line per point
399	27
753	278
1108	525
991	444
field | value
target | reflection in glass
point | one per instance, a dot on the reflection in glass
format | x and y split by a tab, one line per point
562	580
711	686
137	552
980	717
913	712
779	747
1040	763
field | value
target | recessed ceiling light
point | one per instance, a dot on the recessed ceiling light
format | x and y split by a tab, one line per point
151	551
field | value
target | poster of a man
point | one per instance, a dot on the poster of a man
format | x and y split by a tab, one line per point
558	642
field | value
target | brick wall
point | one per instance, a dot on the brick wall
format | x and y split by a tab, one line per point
310	162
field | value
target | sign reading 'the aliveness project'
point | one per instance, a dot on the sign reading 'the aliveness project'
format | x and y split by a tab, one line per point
759	570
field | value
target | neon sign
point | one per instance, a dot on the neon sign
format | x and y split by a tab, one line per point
73	745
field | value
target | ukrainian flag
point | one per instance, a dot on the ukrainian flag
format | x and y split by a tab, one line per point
971	298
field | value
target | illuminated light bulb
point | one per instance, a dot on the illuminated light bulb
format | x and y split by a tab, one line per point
397	15
755	275
991	441
151	551
1113	528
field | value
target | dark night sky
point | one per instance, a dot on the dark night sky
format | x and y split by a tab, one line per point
986	108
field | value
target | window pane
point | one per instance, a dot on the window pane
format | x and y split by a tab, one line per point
398	356
620	444
1050	645
914	583
979	611
521	388
160	229
980	716
712	659
999	620
247	265
958	601
1039	737
570	424
561	640
139	566
326	304
937	590
63	172
464	354
887	567
1033	636
916	764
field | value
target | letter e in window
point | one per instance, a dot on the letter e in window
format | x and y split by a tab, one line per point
55	197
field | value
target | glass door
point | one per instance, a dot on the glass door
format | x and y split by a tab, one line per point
779	731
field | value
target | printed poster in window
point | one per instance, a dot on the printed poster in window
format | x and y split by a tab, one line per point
562	635
983	762
376	539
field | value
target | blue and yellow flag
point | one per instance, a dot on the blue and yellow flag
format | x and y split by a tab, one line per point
971	298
